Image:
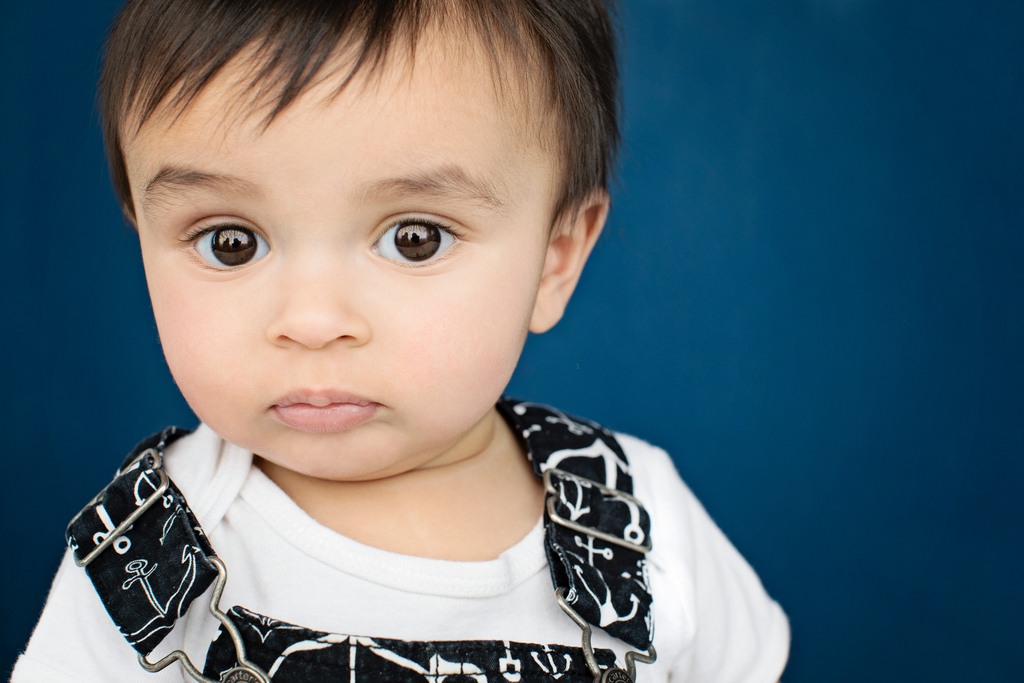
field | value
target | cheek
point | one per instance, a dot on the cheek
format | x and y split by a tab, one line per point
201	338
478	333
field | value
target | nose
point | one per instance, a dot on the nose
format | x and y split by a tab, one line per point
315	311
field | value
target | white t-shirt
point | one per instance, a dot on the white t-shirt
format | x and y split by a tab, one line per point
713	620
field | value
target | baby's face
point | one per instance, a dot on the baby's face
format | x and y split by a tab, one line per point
347	291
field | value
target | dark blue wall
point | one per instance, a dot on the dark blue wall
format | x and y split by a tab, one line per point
810	292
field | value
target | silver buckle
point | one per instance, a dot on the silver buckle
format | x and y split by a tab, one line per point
635	545
123	527
613	674
247	672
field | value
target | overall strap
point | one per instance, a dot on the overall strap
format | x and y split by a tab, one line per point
142	547
597	533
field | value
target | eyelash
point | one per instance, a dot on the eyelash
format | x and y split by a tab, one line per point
421	220
192	236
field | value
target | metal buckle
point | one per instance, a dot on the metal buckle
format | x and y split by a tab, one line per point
126	524
247	672
638	534
614	674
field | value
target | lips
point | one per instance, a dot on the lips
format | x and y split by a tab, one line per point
323	412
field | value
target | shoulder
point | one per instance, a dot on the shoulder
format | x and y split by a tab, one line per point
657	484
713	615
648	463
74	637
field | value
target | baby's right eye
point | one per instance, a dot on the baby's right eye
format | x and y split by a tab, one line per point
230	246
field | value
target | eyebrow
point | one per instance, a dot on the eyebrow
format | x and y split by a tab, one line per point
170	179
449	181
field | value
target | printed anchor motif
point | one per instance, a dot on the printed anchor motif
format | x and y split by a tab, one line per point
140	572
602	596
290	653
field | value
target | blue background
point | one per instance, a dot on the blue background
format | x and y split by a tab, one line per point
810	292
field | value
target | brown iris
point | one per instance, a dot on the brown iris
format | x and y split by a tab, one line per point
417	242
233	246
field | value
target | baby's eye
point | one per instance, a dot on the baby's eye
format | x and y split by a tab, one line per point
230	246
414	241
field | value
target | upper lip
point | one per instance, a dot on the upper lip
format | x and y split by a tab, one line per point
321	398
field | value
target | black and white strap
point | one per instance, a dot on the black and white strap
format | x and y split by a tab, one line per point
598	534
146	554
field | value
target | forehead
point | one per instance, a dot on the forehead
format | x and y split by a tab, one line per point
444	105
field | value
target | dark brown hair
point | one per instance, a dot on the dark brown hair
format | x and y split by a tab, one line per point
164	52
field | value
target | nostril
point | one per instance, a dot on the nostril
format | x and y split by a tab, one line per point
314	329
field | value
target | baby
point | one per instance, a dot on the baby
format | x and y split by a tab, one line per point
351	214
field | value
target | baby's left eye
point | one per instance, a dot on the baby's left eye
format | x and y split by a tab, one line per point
414	241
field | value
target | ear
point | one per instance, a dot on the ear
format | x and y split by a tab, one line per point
570	245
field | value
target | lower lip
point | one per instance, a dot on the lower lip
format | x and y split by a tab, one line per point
335	417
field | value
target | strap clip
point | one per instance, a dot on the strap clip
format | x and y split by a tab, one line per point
613	674
633	537
246	672
156	466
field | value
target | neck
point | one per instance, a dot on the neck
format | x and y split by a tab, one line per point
471	507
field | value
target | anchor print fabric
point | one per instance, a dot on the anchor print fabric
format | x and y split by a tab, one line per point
150	575
606	583
293	654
